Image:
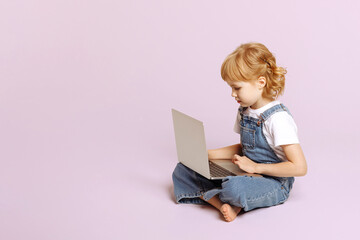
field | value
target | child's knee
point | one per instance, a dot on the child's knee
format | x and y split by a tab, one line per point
179	171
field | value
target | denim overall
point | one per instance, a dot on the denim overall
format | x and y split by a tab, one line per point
246	192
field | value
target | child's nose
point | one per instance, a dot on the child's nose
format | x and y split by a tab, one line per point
233	94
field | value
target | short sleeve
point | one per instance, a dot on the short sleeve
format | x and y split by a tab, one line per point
237	123
283	129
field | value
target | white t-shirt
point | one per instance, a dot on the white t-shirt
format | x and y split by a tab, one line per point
279	129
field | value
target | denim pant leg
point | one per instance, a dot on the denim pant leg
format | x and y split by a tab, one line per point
254	192
189	185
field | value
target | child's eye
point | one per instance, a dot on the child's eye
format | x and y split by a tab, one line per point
237	88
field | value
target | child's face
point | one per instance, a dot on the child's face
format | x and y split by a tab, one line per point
248	94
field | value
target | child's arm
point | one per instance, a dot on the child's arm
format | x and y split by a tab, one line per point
295	167
225	152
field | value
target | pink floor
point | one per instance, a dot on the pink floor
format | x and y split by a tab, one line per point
107	192
87	144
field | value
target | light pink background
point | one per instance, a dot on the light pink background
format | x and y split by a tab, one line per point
87	87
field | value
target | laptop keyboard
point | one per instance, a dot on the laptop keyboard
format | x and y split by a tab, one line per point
218	171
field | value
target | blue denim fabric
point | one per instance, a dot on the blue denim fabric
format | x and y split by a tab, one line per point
242	191
189	185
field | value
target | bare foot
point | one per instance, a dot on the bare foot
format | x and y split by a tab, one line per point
229	212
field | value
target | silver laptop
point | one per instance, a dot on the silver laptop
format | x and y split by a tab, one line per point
192	152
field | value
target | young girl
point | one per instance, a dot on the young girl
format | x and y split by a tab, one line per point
269	145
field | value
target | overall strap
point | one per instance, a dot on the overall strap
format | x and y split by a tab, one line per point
277	108
242	109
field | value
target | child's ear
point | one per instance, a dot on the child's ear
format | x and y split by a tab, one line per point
261	82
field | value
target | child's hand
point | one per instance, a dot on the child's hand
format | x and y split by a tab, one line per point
245	163
211	154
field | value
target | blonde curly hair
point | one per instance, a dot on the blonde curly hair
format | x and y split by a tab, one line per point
250	61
